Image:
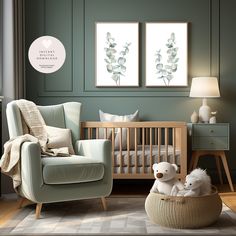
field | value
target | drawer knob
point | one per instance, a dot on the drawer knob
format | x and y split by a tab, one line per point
212	131
211	143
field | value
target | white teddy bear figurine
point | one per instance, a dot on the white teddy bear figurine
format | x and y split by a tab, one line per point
197	183
166	181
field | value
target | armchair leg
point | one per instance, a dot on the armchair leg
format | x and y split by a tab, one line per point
21	202
104	204
38	210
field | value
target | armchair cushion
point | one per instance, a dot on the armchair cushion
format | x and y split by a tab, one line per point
69	170
58	137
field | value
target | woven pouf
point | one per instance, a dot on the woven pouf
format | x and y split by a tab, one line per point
183	212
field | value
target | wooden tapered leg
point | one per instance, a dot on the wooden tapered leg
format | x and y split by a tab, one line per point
192	161
195	161
224	161
104	204
21	202
219	168
38	210
190	164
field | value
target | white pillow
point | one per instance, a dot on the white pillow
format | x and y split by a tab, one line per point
106	117
58	138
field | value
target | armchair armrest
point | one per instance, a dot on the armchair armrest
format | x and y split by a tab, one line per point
31	170
94	148
98	149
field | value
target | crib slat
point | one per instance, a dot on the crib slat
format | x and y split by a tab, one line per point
105	133
182	140
113	147
136	149
146	136
166	144
82	131
151	159
121	164
173	144
143	147
155	136
159	144
128	149
89	133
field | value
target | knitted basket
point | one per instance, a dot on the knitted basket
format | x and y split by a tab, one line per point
183	212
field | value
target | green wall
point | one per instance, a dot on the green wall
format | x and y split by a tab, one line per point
211	39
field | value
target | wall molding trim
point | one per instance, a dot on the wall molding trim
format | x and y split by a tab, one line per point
84	14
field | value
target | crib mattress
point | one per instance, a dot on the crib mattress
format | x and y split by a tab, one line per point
131	170
147	156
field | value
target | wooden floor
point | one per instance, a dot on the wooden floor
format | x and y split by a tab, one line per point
9	206
229	198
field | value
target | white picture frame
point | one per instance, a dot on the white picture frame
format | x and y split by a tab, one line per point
117	54
166	54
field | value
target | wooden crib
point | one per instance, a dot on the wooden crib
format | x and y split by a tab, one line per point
137	145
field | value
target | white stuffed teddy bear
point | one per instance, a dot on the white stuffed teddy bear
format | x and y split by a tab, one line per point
165	174
197	183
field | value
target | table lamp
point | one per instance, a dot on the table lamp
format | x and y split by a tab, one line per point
204	87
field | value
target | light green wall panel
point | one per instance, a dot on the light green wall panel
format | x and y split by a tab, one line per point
73	21
54	11
64	20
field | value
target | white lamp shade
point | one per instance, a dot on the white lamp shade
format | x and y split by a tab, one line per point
204	87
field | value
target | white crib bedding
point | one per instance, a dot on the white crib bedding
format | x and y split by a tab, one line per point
131	170
170	158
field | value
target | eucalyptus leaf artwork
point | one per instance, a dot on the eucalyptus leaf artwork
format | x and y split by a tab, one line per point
166	54
116	59
116	64
165	72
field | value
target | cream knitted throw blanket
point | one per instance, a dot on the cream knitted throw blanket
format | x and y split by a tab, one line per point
10	161
34	120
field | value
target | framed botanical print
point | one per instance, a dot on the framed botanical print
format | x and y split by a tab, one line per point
117	54
166	54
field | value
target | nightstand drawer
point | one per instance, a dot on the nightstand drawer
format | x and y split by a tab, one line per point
210	143
210	130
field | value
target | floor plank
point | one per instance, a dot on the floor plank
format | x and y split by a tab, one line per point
8	208
229	199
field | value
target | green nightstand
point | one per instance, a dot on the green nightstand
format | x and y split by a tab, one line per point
210	139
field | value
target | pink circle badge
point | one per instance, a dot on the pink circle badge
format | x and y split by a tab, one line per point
47	54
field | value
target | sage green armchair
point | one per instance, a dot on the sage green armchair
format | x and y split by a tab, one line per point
88	174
